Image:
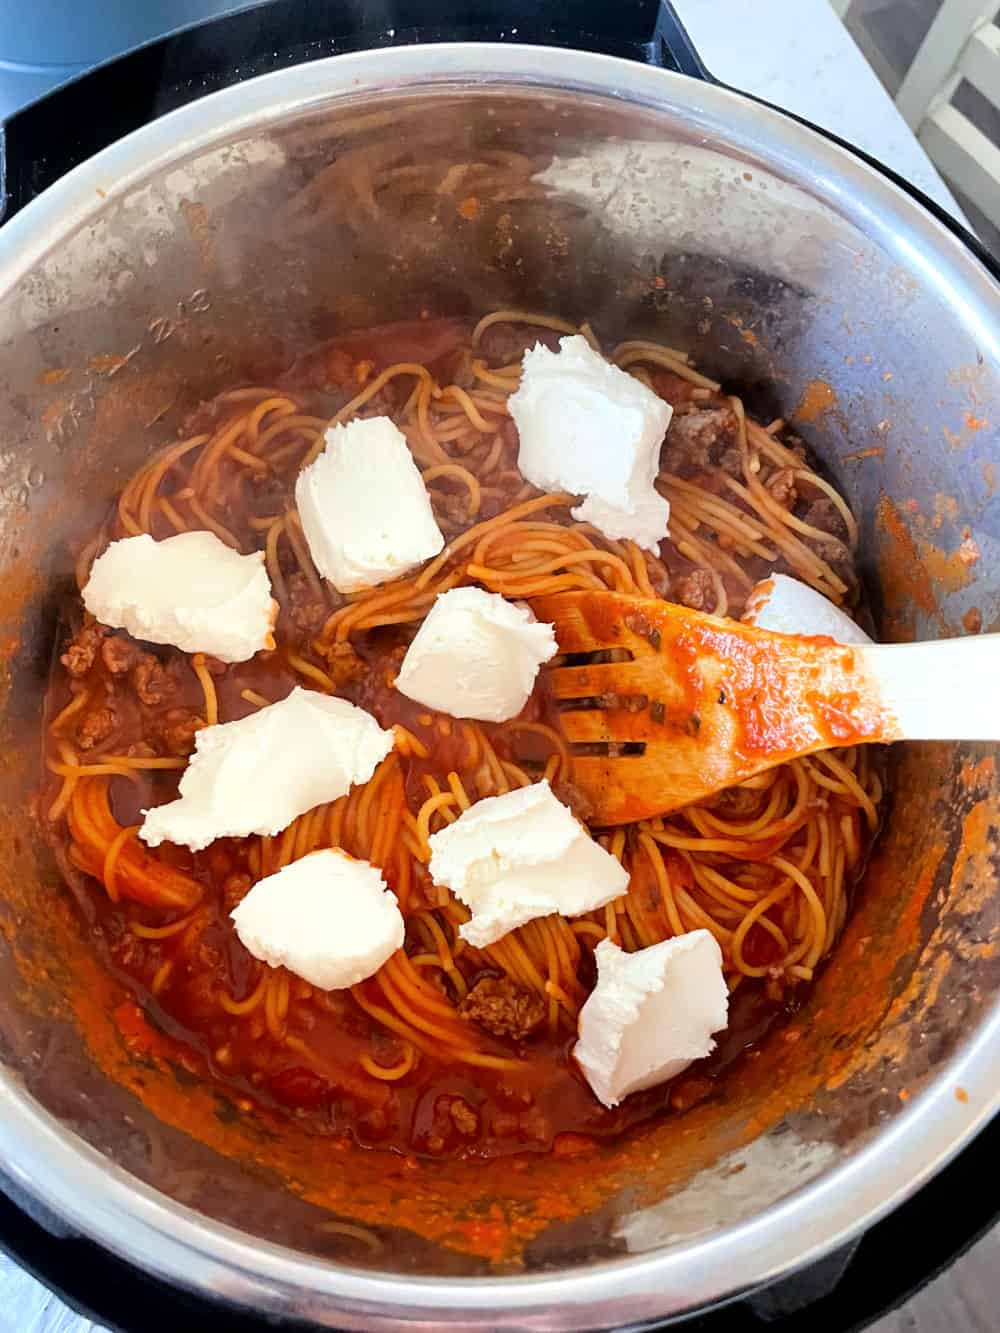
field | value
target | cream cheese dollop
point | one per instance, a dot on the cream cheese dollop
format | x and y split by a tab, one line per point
651	1013
364	508
476	655
522	855
589	428
327	917
191	591
258	774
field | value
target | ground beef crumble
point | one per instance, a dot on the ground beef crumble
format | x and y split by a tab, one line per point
824	515
578	802
463	1117
342	662
731	462
451	510
736	802
659	576
504	344
307	611
696	590
81	652
235	888
697	440
96	725
178	729
150	681
503	1007
780	485
118	654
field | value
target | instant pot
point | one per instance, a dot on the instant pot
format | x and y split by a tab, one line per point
197	209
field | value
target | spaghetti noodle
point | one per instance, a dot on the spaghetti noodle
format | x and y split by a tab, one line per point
415	1056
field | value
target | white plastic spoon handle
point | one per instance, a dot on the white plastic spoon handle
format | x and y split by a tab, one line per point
945	690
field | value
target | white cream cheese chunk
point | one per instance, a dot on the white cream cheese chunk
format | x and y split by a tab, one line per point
191	591
651	1013
258	774
476	655
589	428
364	508
785	605
328	918
519	856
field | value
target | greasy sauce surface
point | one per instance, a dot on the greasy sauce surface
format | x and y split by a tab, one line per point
314	1068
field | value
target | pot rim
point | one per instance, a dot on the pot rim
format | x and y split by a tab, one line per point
101	1200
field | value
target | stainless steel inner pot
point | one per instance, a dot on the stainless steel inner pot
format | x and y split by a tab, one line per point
212	245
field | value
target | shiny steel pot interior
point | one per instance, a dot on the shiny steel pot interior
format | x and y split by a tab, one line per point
228	234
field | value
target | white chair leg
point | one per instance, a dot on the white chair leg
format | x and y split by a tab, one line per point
965	156
939	53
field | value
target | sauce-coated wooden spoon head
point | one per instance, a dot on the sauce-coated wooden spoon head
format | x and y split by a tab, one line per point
662	706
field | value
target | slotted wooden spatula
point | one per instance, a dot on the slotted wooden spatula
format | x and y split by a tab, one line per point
662	706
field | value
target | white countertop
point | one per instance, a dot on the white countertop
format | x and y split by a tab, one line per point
796	54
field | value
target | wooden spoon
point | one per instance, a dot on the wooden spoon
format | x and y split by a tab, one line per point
663	706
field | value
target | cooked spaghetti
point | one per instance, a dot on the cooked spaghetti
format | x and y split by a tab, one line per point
447	1049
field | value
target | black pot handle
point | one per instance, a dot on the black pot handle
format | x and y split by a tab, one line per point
673	48
47	138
